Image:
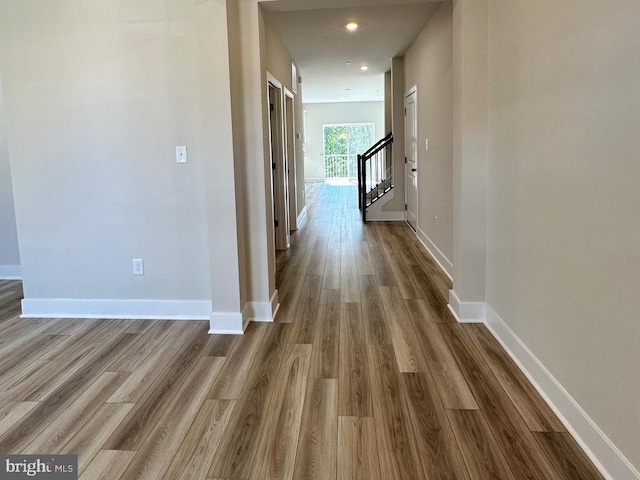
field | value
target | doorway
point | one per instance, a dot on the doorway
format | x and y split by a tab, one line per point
411	152
278	157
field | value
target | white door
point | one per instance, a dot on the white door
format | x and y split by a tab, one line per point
411	152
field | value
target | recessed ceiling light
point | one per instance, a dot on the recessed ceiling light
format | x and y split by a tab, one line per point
351	26
364	68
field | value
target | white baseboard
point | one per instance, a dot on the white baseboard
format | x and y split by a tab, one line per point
385	216
466	312
264	311
222	323
10	272
127	309
598	447
231	323
301	217
444	263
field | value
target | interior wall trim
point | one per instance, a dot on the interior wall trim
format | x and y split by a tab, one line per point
112	309
441	259
466	312
265	311
599	448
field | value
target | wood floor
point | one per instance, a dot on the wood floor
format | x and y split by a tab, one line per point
364	376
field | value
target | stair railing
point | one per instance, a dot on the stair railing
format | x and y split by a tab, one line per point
375	173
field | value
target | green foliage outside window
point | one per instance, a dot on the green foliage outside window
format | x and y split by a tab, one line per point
342	145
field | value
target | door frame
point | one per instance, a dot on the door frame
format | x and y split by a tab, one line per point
278	160
412	91
290	153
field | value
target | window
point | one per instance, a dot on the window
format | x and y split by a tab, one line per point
342	145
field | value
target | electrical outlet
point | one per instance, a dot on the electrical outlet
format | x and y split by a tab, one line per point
138	266
426	144
181	154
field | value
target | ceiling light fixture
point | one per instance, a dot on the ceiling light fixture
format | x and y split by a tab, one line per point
351	26
364	68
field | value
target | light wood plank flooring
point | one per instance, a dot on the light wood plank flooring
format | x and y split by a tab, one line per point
364	376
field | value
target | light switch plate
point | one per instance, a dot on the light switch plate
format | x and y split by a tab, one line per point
138	266
426	144
181	154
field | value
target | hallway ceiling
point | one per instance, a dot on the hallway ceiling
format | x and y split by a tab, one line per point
321	45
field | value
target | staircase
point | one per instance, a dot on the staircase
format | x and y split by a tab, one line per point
375	173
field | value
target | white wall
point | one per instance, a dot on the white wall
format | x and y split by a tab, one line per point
563	263
470	136
396	204
388	104
97	96
428	65
9	252
300	152
545	198
278	64
248	98
318	114
277	56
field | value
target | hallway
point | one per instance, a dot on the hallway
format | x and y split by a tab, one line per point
416	394
365	375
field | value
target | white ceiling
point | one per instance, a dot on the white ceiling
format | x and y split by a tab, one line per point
321	46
